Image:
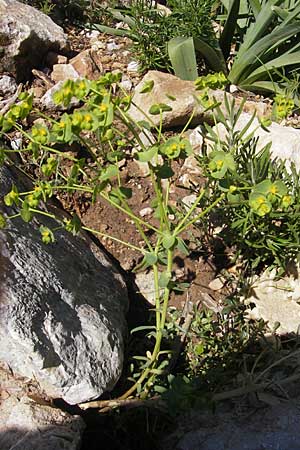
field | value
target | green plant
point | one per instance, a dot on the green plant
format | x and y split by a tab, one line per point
72	10
150	28
261	206
267	43
94	127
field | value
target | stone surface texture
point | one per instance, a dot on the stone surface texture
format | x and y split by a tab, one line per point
63	72
184	92
273	428
87	64
28	424
8	86
285	140
26	35
277	301
62	308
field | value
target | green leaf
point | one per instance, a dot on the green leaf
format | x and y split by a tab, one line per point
125	192
182	247
144	124
164	279
168	241
212	55
164	172
229	27
2	221
182	55
73	225
147	155
142	328
25	212
114	31
246	61
147	87
109	172
150	258
158	108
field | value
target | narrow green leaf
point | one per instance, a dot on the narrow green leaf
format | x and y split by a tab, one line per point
229	27
142	328
2	221
114	31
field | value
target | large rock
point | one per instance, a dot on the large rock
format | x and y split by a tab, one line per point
34	425
180	95
26	35
62	308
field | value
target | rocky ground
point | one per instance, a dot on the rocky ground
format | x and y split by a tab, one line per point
267	420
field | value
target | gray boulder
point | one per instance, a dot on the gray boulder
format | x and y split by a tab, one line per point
62	308
26	35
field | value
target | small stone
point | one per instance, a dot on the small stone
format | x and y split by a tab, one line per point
92	34
54	58
189	200
146	212
233	88
8	86
111	46
97	45
217	284
145	283
133	66
117	65
126	83
196	139
63	72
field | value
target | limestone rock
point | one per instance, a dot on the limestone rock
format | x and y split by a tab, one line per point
166	88
26	35
63	72
62	309
29	425
277	301
285	140
87	64
8	86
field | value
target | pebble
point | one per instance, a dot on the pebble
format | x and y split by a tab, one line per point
126	83
217	284
133	66
146	212
111	46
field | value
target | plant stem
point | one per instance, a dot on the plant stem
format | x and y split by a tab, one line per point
203	213
159	334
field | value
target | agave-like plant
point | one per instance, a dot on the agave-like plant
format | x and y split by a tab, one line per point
270	44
